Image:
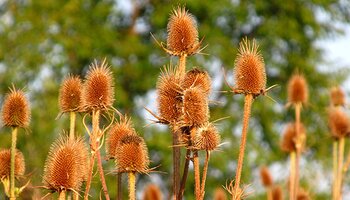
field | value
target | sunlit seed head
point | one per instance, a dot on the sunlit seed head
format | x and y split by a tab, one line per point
195	107
219	194
197	78
5	163
206	137
249	71
116	133
277	193
303	195
98	93
297	89
338	123
266	177
182	32
289	138
132	155
152	192
15	109
70	94
66	166
337	97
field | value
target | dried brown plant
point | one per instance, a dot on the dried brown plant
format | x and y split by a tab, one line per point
338	122
266	177
288	142
219	194
152	192
337	96
70	99
197	78
5	163
297	89
195	107
206	137
277	193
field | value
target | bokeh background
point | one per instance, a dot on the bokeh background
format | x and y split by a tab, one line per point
42	41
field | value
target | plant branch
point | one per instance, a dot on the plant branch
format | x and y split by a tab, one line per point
72	125
132	186
298	145
205	171
119	186
62	195
184	175
292	194
176	163
335	169
13	157
196	175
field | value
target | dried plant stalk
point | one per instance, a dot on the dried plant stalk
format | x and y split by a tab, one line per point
13	154
292	190
205	171
335	169
197	184
132	186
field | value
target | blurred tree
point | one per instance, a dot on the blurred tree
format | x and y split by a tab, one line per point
43	41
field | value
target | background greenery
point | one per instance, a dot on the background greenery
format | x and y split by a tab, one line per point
43	41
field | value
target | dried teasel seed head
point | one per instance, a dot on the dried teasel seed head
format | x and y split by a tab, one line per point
66	166
98	92
15	109
70	94
195	107
132	155
169	92
297	89
197	78
289	138
5	163
266	177
206	137
303	195
182	33
337	97
219	194
277	193
116	133
152	192
338	122
249	68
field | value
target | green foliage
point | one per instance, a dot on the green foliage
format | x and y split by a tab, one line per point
43	41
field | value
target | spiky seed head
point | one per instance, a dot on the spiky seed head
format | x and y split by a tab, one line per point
182	33
249	71
339	123
66	166
197	78
116	133
169	92
195	107
303	195
70	94
289	138
337	97
266	177
219	194
206	137
152	192
5	163
132	155
297	89
98	93
15	109
277	193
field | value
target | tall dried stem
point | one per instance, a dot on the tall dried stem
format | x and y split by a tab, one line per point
89	178
298	144
72	125
335	169
197	184
269	193
340	168
119	186
132	185
13	154
184	175
62	195
292	194
204	176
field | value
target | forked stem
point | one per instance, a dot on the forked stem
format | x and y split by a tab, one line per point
248	100
204	176
72	117
197	186
292	194
132	186
184	175
13	157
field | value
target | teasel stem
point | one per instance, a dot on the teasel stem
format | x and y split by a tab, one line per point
298	145
184	175
269	193
119	186
132	186
62	195
13	156
340	168
197	183
102	177
205	171
248	100
182	65
72	125
76	196
292	190
89	178
176	165
335	169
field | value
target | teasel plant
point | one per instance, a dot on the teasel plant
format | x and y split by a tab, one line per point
152	192
66	166
219	194
267	181
250	77
277	193
97	98
297	96
15	114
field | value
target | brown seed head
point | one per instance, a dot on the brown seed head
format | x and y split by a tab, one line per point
266	177
249	69
277	193
303	195
132	155
98	93
70	94
288	143
66	166
5	163
337	97
182	33
195	107
219	194
15	110
338	122
169	92
152	192
116	133
297	89
197	78
206	137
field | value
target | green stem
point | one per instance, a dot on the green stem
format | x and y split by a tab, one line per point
13	157
72	125
132	186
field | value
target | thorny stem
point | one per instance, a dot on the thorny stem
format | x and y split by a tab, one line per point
247	108
205	171
62	195
298	145
89	178
340	168
269	193
335	169
72	125
102	177
132	182
197	185
182	65
292	176
184	175
176	161
119	186
75	196
13	157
